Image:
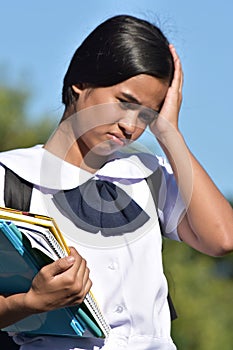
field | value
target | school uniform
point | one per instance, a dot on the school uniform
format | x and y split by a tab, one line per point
126	264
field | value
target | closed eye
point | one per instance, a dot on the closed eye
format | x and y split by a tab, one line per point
148	116
124	104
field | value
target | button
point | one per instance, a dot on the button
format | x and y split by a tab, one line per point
113	265
119	309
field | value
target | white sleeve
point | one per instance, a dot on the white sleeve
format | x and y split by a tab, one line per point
171	207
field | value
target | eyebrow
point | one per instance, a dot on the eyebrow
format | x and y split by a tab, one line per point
131	98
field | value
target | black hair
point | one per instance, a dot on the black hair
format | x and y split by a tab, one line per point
118	49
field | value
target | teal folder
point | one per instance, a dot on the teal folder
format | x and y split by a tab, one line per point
19	263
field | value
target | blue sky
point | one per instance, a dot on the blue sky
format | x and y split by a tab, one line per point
38	39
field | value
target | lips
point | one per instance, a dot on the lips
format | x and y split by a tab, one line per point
118	139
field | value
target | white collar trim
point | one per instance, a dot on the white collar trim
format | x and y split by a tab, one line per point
44	169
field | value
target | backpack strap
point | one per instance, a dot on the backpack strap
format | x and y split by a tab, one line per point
17	191
17	195
154	183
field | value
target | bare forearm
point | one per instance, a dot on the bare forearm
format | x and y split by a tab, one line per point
13	309
208	223
209	214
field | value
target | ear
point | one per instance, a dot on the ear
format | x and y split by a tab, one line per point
78	88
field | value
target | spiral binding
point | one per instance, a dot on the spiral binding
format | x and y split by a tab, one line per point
97	314
55	244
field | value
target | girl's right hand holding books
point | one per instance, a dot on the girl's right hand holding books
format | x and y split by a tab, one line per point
64	282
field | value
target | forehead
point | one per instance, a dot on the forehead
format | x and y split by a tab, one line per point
147	90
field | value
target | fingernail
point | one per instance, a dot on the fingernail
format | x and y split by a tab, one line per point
70	259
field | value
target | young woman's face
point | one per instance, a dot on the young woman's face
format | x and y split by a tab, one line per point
109	118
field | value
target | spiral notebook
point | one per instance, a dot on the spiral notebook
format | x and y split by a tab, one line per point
28	242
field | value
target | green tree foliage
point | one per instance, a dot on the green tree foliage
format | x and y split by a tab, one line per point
202	291
17	130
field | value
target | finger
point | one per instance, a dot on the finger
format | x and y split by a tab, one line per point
177	82
79	270
177	79
61	265
86	277
58	266
73	252
78	299
82	285
87	288
82	270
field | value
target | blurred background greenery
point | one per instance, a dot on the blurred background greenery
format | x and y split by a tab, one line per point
202	291
201	286
17	128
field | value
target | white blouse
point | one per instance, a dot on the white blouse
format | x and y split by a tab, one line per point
126	270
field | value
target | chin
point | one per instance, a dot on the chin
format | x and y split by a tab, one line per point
105	150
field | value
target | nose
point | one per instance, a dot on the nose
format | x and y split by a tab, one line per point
128	122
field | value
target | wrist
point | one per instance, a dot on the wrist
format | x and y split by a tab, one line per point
164	129
170	139
31	303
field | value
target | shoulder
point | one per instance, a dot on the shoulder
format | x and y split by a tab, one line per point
20	162
22	159
134	165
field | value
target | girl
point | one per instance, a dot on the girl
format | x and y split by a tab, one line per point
123	78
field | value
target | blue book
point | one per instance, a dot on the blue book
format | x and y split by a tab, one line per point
19	263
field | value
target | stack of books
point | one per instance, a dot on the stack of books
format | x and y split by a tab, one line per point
27	243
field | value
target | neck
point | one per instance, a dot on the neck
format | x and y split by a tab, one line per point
64	145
